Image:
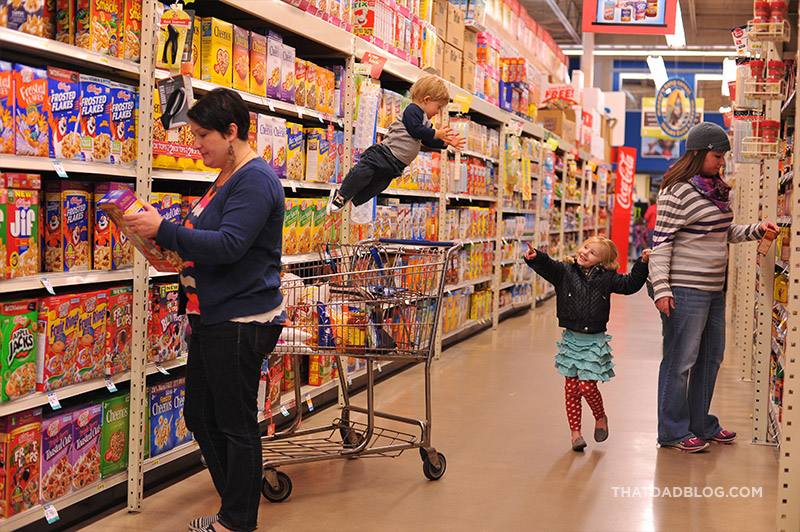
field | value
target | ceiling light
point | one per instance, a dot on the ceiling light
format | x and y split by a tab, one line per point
644	52
657	70
677	39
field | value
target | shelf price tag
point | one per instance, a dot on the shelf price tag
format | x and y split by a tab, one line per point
52	398
110	385
380	368
51	514
310	403
271	105
47	286
161	369
284	412
59	168
349	380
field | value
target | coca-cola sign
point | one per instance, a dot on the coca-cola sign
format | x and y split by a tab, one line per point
625	172
623	201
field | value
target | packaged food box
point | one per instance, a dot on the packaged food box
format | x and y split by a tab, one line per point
164	324
18	349
217	51
56	446
168	205
197	48
58	329
90	355
20	460
295	154
280	146
274	64
28	17
114	435
132	30
6	108
124	106
299	82
241	59
287	74
19	223
161	417
290	217
95	119
258	64
187	204
312	90
99	25
119	328
76	223
180	433
120	202
264	137
30	111
64	97
305	225
112	249
87	428
318	223
252	132
65	21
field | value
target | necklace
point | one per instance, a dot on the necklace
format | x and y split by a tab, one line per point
247	157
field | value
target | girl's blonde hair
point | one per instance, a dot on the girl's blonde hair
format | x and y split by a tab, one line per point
609	261
432	87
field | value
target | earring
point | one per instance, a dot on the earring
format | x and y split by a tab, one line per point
230	151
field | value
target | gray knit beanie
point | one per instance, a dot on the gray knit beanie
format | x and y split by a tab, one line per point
708	136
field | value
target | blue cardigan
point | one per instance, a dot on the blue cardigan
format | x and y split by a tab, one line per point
236	246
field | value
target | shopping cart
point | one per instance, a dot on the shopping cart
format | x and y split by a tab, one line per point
374	301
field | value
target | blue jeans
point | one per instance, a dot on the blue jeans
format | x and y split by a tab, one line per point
694	343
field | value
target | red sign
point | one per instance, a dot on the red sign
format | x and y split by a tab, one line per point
623	201
645	17
565	93
376	63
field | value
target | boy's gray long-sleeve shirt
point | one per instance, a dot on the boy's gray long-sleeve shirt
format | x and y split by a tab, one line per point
407	135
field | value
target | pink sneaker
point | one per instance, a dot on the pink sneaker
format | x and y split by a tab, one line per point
689	445
724	436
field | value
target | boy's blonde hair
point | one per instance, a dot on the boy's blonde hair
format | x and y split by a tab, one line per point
431	87
610	256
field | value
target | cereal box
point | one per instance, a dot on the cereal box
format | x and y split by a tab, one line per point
30	111
241	59
299	82
96	119
76	222
289	224
20	459
99	25
117	203
56	447
252	132
112	250
168	205
124	105
161	418
187	204
295	154
317	237
119	323
319	165
180	433
65	21
264	137
217	50
52	230
18	349
274	64
311	85
90	355
64	97
21	216
164	324
132	30
287	74
114	435
28	17
20	181
6	108
87	427
280	146
305	222
258	64
58	328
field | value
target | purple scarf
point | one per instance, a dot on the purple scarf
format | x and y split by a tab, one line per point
714	189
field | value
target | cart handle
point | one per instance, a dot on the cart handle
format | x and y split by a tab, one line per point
428	243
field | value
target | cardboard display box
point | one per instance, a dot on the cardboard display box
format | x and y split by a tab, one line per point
439	18
468	76
452	64
439	62
562	123
455	26
470	46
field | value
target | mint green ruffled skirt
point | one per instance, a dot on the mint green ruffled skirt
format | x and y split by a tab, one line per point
585	356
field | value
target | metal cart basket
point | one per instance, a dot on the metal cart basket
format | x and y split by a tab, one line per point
374	301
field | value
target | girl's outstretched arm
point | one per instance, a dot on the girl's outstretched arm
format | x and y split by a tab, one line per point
541	263
633	282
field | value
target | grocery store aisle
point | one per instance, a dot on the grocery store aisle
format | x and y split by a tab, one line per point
498	417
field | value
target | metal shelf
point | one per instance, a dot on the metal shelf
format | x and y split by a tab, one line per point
58	280
410	193
300	259
470	153
518	211
467	241
468	283
467	325
470	197
171	455
45	164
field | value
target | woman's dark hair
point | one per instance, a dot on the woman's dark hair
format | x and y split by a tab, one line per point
685	168
220	108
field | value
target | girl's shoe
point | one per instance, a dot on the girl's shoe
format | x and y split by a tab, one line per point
199	524
578	444
336	203
600	434
724	436
689	445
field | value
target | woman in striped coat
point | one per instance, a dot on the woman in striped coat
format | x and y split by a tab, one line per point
688	266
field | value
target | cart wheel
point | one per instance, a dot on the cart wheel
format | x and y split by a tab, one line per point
351	438
279	494
431	472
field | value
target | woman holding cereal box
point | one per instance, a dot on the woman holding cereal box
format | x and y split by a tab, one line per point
230	289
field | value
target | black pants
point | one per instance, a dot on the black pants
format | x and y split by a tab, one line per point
372	174
222	377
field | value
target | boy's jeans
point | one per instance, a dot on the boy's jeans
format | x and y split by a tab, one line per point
371	175
694	343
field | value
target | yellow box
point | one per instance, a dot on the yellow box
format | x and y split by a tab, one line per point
217	50
241	59
197	48
290	226
305	224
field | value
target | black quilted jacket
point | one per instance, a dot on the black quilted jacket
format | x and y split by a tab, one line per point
584	298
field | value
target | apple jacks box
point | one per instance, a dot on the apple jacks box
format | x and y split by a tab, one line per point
117	204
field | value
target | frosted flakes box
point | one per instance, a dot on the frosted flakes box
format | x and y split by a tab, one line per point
111	250
18	349
258	64
119	327
87	428
274	64
58	327
89	358
19	210
124	106
64	96
6	108
20	460
30	111
114	435
161	418
77	224
95	119
56	446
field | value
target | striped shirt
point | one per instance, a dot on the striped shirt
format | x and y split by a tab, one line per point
691	241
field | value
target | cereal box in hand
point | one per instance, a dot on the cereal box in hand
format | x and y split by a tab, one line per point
99	25
258	64
119	328
20	460
180	433
56	446
6	108
22	232
274	64
241	59
124	107
217	50
58	328
287	74
87	426
95	119
112	250
18	349
30	111
132	30
90	355
64	97
161	418
114	435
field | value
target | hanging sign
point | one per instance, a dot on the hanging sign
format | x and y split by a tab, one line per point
650	127
372	65
641	17
623	201
560	93
675	108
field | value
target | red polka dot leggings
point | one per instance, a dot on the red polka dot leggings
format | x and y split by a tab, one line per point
574	389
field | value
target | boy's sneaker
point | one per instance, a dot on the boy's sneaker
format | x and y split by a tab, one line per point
724	436
689	445
336	203
199	524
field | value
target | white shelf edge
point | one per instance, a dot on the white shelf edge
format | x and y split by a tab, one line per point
469	324
170	456
478	155
45	164
470	197
468	283
65	279
409	192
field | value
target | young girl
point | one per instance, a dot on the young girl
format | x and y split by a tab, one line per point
584	284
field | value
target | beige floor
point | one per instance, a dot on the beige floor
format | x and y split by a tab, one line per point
499	419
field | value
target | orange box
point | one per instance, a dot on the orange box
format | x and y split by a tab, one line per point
241	59
258	64
59	321
132	31
99	25
6	108
300	82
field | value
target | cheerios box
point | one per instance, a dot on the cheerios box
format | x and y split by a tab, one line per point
217	51
124	106
19	209
258	64
64	116
30	111
89	357
241	59
56	478
58	327
180	433
96	119
287	74
18	324
161	418
99	25
6	108
274	64
295	154
280	146
119	328
114	435
264	137
87	430
20	458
